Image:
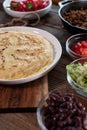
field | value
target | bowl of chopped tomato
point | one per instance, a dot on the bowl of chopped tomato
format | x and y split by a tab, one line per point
20	8
76	45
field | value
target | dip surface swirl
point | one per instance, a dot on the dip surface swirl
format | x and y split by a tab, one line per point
23	54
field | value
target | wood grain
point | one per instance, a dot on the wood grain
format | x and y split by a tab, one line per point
23	96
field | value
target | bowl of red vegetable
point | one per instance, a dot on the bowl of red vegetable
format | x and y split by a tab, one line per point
62	109
20	8
76	46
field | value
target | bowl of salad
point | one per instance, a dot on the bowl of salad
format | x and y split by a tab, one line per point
20	8
77	75
76	45
62	109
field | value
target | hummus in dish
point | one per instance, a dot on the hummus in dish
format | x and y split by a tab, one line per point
23	54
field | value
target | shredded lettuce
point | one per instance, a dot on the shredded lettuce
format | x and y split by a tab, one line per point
78	73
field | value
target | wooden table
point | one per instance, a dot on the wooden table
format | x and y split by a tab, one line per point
56	77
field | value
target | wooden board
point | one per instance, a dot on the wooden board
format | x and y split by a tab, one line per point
23	97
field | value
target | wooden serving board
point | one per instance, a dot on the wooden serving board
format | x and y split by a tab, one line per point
23	97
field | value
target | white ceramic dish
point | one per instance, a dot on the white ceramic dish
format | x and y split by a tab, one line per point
12	13
57	49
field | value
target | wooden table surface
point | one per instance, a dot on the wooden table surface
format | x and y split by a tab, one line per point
56	77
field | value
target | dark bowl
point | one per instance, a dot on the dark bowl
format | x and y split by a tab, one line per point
66	6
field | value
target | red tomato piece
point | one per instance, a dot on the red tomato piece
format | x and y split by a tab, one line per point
84	52
20	7
17	6
79	44
36	4
80	48
43	4
29	5
13	5
84	43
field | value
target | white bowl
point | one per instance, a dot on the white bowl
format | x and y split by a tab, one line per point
57	51
12	13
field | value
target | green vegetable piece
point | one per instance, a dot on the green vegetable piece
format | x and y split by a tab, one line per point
14	5
30	6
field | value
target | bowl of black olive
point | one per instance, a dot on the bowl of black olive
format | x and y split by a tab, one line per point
62	109
73	15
